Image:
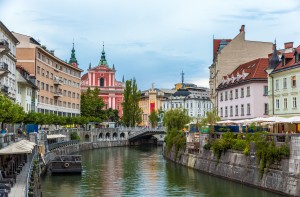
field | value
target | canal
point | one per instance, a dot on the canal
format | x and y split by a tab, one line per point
140	171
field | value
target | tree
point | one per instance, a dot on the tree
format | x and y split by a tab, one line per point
132	113
91	103
176	119
112	115
153	118
211	119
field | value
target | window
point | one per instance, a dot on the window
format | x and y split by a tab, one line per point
51	88
236	93
69	93
231	95
221	112
51	75
64	104
248	91
51	101
242	109
285	103
73	105
265	90
277	103
43	72
248	108
65	93
46	100
47	87
226	112
284	83
69	105
47	74
38	83
266	109
38	70
294	102
231	111
294	82
277	84
42	99
73	95
43	85
236	110
101	82
77	106
39	55
226	96
242	92
191	105
78	95
221	97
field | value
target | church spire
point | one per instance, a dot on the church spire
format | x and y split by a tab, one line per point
123	79
182	79
103	59
73	59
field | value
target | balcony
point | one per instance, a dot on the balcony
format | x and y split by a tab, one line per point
4	46
58	94
4	89
3	68
58	81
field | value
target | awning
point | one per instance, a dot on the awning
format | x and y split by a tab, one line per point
21	147
53	136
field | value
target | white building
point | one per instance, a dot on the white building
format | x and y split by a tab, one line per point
8	60
26	90
195	100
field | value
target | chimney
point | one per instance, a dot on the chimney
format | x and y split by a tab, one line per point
242	28
288	45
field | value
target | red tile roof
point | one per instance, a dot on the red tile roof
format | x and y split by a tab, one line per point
289	61
255	70
216	44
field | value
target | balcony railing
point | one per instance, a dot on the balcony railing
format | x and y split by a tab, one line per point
5	89
4	46
58	94
3	68
58	81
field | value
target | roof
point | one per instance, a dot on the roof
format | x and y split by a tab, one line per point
253	70
216	45
290	60
21	147
54	136
84	77
182	92
6	30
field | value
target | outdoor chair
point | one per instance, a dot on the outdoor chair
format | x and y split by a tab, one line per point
5	186
3	193
5	175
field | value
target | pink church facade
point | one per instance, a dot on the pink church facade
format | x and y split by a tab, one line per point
243	94
104	77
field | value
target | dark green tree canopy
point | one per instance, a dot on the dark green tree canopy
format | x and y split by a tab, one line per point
92	104
153	118
132	113
176	119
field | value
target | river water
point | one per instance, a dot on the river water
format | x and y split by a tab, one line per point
140	171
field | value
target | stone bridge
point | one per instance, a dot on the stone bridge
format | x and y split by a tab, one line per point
146	132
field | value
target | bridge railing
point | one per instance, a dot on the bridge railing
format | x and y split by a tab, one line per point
61	144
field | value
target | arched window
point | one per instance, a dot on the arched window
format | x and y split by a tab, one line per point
101	82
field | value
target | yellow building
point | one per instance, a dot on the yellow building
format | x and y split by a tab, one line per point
152	100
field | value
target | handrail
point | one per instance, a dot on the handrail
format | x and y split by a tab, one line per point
60	144
29	174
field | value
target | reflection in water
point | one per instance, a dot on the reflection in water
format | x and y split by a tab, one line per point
141	171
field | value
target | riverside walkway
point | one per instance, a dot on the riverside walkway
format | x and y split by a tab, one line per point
19	188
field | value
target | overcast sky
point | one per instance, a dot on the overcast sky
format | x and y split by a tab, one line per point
153	40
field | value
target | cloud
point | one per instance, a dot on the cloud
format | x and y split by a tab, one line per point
150	40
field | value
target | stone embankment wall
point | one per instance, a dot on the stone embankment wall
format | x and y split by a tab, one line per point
82	147
236	166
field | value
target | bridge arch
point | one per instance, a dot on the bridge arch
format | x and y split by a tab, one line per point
107	136
87	137
115	135
101	136
122	135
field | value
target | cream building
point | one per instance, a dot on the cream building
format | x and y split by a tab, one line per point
27	92
58	81
284	83
8	60
229	54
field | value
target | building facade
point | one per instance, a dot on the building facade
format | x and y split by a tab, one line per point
152	100
58	81
195	100
104	77
27	91
284	82
229	54
243	93
8	61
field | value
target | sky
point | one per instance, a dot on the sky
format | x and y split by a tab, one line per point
152	41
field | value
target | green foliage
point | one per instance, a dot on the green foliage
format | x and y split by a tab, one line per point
210	119
153	118
74	136
111	115
132	113
175	138
207	146
91	103
176	119
9	111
